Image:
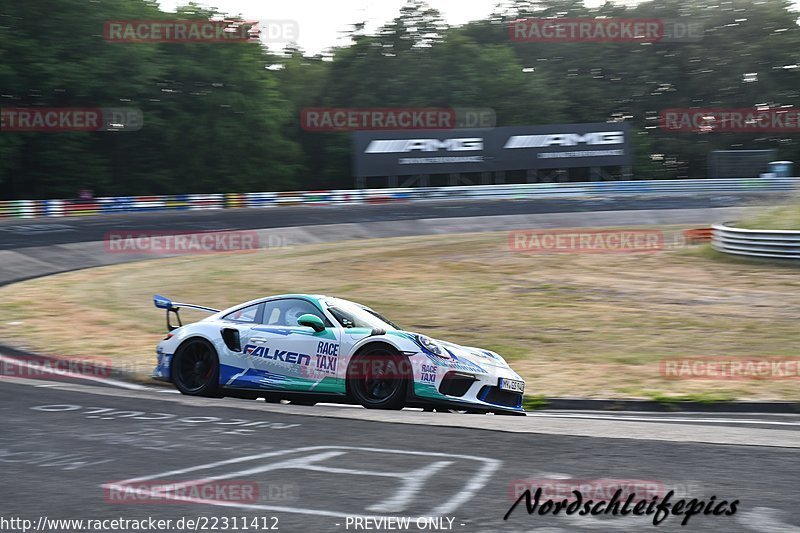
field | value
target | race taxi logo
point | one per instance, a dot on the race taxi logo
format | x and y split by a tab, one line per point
327	357
428	374
277	355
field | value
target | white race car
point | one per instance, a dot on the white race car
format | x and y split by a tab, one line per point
311	348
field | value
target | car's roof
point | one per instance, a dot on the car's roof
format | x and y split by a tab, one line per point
316	297
319	299
294	295
281	296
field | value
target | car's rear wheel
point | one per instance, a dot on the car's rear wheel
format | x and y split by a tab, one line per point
195	369
378	379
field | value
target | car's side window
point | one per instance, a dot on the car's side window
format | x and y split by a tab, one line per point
286	312
245	314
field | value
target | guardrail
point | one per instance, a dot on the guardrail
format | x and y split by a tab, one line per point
126	204
780	244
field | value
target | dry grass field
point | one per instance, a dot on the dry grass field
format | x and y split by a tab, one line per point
588	325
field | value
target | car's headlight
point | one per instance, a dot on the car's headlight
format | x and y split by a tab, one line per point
432	346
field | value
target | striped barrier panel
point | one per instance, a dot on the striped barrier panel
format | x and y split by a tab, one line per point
347	196
148	203
235	200
27	208
116	204
261	199
9	209
340	197
431	193
401	195
54	208
15	207
77	208
317	197
772	244
289	198
207	201
385	196
377	196
123	204
179	202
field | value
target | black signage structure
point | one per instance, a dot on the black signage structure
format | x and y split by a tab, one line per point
558	146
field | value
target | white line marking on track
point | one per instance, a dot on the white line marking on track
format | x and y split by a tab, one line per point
665	419
317	453
661	413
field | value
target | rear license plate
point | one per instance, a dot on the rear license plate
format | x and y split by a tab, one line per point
512	385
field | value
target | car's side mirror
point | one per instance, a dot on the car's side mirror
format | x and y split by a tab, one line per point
311	321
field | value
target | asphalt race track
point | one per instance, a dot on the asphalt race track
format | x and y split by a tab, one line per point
312	467
20	233
77	449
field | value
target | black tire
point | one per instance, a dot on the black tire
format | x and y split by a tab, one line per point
377	378
195	369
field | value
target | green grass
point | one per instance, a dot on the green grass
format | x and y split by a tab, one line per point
698	397
786	217
533	402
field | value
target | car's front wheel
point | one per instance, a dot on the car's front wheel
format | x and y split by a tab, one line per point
378	379
195	368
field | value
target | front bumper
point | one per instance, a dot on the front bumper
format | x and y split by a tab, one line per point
472	390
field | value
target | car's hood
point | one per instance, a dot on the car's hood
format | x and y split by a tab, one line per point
478	356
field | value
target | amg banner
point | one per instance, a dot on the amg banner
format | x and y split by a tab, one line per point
559	146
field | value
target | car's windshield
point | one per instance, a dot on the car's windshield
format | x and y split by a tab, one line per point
351	315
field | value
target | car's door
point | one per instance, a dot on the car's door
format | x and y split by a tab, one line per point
236	327
287	356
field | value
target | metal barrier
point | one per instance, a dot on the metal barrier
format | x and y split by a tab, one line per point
124	204
780	244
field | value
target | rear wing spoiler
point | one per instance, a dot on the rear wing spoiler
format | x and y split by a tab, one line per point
162	302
